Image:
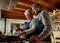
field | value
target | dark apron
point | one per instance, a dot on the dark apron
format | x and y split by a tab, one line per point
26	27
39	29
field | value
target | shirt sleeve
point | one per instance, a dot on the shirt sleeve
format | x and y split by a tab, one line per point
32	28
47	27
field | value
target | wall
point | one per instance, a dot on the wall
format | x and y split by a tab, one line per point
0	13
8	24
4	3
9	21
2	23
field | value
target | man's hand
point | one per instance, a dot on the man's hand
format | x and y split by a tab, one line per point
34	38
22	33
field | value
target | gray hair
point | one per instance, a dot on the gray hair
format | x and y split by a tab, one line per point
36	5
28	11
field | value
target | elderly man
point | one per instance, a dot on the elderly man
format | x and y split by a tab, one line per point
30	27
43	17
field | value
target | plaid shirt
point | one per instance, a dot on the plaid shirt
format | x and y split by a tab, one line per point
46	20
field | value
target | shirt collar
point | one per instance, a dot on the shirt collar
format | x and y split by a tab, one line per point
29	20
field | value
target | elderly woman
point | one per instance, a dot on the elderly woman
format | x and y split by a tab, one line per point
30	27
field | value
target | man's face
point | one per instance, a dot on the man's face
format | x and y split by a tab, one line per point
34	10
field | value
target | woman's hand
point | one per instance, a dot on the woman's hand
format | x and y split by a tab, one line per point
22	33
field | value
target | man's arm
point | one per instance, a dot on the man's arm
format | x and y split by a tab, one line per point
47	26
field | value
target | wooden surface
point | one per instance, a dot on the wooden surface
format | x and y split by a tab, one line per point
20	42
41	42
